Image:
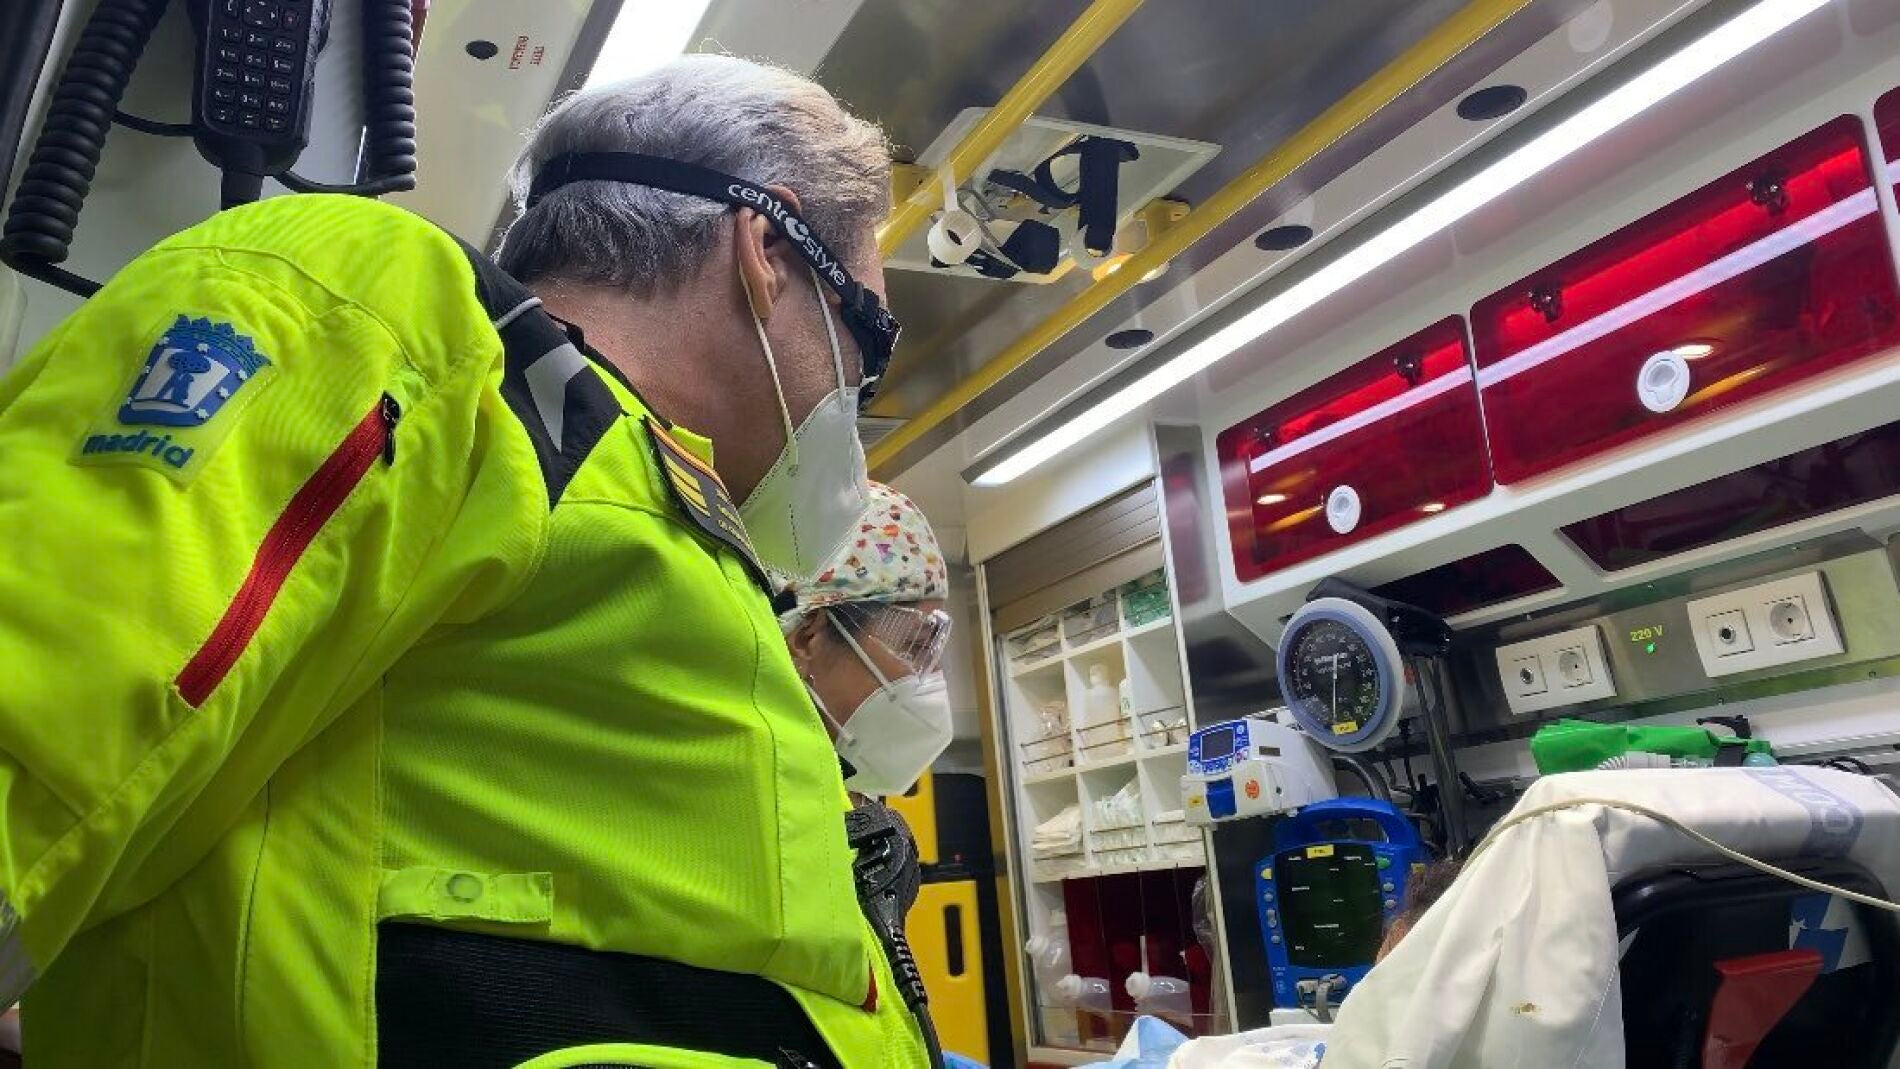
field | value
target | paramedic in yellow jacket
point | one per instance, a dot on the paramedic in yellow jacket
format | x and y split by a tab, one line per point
387	672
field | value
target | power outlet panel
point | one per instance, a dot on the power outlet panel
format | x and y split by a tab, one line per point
1775	623
1556	670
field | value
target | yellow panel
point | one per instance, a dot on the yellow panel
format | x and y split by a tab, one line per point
919	810
956	1002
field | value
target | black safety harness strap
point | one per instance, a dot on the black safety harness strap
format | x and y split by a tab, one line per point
446	997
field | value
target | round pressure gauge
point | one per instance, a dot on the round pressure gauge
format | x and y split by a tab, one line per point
1342	675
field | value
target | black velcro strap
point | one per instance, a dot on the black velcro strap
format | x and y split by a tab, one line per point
446	997
549	384
1102	158
660	172
690	179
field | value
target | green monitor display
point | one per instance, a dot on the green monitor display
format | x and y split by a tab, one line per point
1330	905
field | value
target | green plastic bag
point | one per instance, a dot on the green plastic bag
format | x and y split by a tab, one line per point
1575	745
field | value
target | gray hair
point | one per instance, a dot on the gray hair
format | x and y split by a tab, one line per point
756	122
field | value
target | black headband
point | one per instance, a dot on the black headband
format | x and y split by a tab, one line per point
870	325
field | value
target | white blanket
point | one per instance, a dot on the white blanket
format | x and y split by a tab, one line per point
1152	1043
1287	1046
1517	964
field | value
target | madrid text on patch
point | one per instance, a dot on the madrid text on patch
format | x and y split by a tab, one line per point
158	445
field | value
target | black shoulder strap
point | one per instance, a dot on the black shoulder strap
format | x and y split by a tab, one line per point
546	380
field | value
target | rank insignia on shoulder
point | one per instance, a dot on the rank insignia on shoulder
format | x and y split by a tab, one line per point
195	371
703	497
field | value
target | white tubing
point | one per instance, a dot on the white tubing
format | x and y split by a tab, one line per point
1669	821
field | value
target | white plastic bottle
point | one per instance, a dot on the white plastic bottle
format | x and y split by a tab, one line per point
1089	993
1161	996
1100	700
1079	997
1048	952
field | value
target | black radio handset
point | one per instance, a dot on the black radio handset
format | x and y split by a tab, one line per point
250	109
253	85
887	874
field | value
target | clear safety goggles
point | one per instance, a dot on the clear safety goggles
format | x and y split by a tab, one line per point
915	637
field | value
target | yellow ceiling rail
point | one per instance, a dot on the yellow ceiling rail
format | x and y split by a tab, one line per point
1446	40
1070	51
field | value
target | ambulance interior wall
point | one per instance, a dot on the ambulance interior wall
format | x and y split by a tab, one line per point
960	675
1836	63
1232	674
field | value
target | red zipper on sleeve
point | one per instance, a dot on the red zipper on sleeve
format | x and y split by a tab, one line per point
297	526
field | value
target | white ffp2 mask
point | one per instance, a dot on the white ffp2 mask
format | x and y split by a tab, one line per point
895	732
809	500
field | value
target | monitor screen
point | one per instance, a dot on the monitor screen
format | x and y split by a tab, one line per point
1217	743
1329	904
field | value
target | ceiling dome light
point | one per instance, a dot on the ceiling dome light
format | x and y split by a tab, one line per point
1282	238
1132	338
1491	102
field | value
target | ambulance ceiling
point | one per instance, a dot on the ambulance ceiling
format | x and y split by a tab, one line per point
1240	74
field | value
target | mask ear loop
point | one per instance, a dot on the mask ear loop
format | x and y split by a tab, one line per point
844	730
831	330
771	364
819	704
857	649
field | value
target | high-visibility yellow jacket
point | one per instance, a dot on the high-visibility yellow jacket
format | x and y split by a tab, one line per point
320	618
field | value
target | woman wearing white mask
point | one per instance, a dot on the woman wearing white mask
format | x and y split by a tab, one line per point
867	638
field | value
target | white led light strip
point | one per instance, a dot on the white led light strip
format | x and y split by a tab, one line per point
1732	38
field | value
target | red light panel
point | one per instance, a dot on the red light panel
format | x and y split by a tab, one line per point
1400	429
1769	275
